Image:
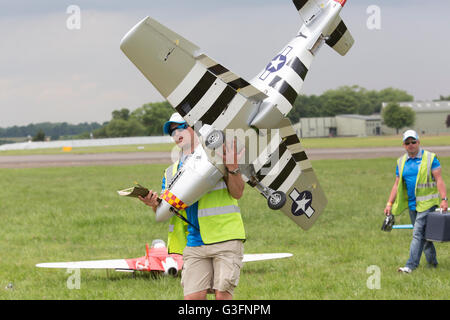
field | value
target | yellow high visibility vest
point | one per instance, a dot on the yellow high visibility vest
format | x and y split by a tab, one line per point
219	217
426	191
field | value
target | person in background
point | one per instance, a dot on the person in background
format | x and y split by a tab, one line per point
420	188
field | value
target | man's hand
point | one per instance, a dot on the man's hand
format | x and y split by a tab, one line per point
230	156
388	209
151	200
444	205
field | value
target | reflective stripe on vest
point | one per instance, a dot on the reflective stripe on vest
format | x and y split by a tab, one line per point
218	210
427	197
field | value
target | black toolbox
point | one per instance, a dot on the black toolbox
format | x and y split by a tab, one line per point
438	226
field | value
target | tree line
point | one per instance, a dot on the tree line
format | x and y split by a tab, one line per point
345	100
148	119
53	130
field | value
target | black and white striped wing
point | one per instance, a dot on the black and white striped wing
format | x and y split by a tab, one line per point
196	86
284	166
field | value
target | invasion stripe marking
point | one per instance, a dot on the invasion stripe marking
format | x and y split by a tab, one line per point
337	34
298	67
284	174
218	106
292	139
238	84
299	4
282	147
290	181
300	156
218	69
196	94
284	88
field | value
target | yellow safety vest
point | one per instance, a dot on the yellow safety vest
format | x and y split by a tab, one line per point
219	217
426	191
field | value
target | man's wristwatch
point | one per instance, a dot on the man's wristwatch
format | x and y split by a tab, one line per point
235	171
446	198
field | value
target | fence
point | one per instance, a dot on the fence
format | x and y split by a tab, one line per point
86	143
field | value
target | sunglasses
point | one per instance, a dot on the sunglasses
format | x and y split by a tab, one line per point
180	127
410	142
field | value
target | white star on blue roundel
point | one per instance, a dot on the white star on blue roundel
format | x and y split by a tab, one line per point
277	63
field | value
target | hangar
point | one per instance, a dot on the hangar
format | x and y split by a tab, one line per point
431	117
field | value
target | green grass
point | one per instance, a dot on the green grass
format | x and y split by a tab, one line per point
309	143
69	214
370	142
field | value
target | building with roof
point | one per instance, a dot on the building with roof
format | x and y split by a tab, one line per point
358	125
431	117
350	125
316	127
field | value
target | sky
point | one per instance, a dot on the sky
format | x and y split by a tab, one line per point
50	71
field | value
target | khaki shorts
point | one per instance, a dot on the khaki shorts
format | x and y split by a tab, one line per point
212	267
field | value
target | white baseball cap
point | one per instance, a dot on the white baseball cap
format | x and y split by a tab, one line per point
410	134
174	118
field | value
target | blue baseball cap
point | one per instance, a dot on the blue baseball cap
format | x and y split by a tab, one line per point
174	118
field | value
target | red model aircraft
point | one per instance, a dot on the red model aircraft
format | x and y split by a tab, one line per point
157	259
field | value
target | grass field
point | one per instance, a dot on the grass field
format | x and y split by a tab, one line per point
308	143
69	214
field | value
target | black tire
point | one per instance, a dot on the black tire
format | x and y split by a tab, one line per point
276	200
215	139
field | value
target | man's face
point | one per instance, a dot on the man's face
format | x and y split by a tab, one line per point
411	145
182	137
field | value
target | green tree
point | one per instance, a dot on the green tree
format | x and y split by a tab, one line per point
343	100
306	107
122	114
153	116
397	117
443	98
390	95
122	128
40	136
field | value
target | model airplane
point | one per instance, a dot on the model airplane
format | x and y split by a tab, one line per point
220	105
156	260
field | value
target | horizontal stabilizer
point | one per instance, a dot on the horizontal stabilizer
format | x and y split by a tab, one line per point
265	256
340	38
99	264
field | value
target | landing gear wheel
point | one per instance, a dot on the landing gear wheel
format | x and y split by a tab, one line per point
276	200
214	139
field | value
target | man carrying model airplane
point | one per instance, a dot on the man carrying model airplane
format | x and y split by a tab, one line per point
200	189
213	248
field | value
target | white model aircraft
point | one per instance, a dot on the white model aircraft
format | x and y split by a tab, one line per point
156	260
220	105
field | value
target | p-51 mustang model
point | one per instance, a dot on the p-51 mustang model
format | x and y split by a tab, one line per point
156	260
220	105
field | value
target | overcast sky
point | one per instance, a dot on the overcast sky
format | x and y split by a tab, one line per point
51	73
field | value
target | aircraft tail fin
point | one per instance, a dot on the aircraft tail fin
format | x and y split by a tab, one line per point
340	38
308	9
147	251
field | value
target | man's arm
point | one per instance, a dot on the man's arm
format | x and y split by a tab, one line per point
393	194
437	174
235	185
234	182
